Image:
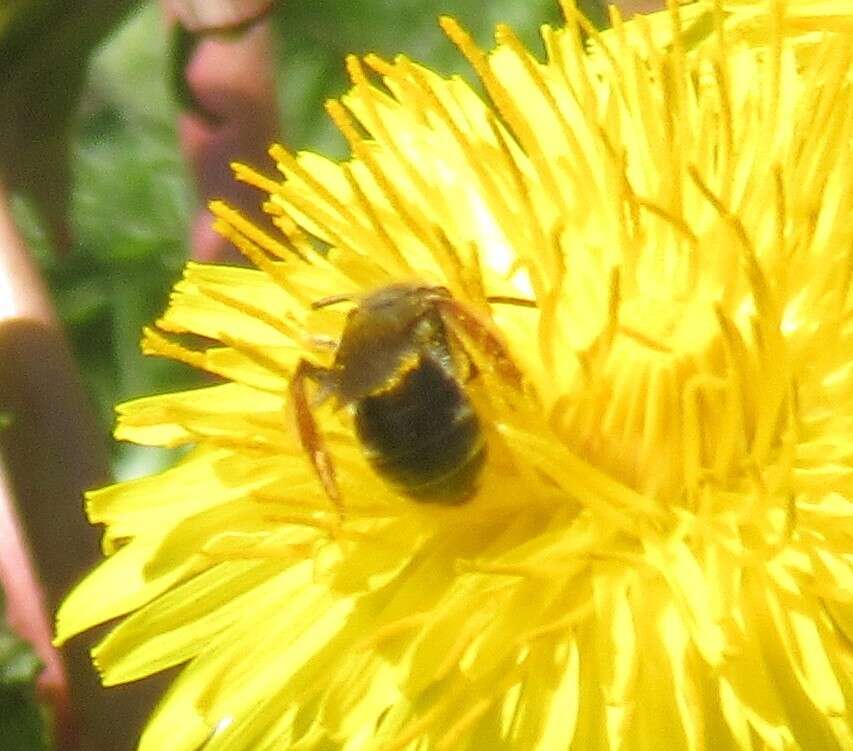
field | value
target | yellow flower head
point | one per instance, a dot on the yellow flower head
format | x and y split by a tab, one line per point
658	552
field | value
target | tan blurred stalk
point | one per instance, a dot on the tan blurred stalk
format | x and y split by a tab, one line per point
50	454
227	78
27	614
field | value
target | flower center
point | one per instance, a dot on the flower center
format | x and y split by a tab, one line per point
671	403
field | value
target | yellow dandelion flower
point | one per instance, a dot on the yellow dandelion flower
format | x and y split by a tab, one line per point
798	23
658	551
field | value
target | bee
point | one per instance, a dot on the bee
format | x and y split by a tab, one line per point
400	367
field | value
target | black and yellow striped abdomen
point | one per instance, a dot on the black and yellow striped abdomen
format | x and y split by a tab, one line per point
422	434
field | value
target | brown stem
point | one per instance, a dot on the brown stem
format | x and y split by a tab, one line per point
51	454
27	615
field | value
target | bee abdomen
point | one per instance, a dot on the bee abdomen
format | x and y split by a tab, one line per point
423	435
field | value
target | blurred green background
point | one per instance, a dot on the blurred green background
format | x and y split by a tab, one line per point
132	199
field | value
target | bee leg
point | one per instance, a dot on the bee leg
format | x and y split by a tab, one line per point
309	435
324	343
482	335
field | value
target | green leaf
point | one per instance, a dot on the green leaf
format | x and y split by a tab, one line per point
44	46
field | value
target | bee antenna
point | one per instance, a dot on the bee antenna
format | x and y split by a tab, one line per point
332	300
505	300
